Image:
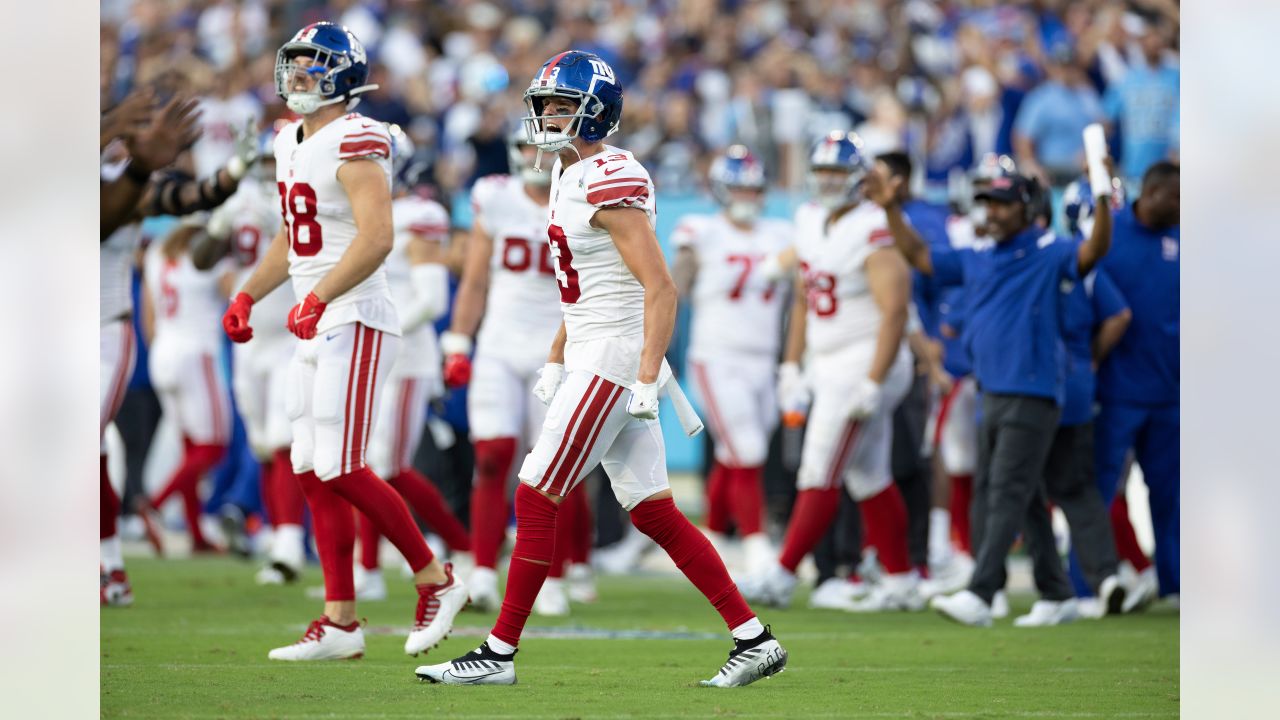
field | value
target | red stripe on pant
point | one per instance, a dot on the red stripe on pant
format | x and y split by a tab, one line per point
356	417
568	433
842	453
373	387
601	414
348	405
944	411
720	429
115	395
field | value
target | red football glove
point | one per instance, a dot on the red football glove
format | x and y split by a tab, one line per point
236	320
457	370
304	317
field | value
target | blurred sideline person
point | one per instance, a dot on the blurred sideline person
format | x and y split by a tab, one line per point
603	374
334	173
735	341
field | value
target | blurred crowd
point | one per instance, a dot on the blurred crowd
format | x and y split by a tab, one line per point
947	81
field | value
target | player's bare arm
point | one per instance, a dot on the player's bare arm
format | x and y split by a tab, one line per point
468	305
370	196
685	271
556	355
889	280
272	271
636	242
885	189
794	349
1109	333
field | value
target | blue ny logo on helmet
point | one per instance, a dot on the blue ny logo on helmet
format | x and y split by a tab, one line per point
584	78
338	64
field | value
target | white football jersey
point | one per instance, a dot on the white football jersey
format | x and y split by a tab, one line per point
414	215
735	309
253	213
220	120
318	216
115	259
599	296
522	312
186	302
841	311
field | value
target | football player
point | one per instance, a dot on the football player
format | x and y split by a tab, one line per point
850	313
419	284
333	170
735	340
603	373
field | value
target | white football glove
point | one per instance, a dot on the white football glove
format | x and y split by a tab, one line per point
643	402
549	379
247	152
865	399
793	392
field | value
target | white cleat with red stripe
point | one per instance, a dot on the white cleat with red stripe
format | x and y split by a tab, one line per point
323	641
438	605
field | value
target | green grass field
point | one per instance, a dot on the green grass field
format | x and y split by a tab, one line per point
195	645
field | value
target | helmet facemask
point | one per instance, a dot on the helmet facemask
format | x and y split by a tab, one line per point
324	68
568	126
831	190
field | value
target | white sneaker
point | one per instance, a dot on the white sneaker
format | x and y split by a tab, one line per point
750	660
438	605
370	585
758	552
870	569
773	587
323	641
582	584
552	600
116	590
1111	595
483	586
287	557
1049	612
1000	605
950	576
481	666
963	607
837	594
1090	608
1141	591
893	592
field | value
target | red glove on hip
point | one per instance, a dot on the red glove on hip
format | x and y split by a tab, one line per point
236	320
304	317
457	370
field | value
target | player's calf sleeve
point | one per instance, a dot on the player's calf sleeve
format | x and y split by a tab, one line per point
530	561
717	519
384	506
424	497
961	500
581	535
108	503
884	517
1127	546
286	490
746	495
489	498
370	538
813	513
693	553
566	527
335	533
196	461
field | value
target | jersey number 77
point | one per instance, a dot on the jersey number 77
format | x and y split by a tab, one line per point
298	208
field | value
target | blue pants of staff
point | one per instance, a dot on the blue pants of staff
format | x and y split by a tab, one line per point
1152	433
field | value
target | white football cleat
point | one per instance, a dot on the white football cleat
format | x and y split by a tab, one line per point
750	660
1000	605
116	590
774	587
1045	613
1090	608
758	551
948	577
483	587
837	594
552	600
1111	594
438	605
1141	591
582	583
963	607
323	641
481	666
370	585
893	592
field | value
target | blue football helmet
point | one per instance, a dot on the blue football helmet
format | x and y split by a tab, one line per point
737	168
838	151
339	65
402	150
585	78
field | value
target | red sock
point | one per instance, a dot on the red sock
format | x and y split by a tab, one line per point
961	500
334	526
288	500
370	538
567	519
425	499
196	461
530	561
108	503
813	513
884	520
191	507
580	542
693	554
746	493
1126	539
373	497
489	498
717	519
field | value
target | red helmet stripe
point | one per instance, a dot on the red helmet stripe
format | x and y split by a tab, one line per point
546	73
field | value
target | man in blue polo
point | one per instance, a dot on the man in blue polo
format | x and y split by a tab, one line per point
1138	382
1014	336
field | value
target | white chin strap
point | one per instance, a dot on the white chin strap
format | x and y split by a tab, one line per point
307	103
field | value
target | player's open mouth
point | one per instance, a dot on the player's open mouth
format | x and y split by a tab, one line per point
551	127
